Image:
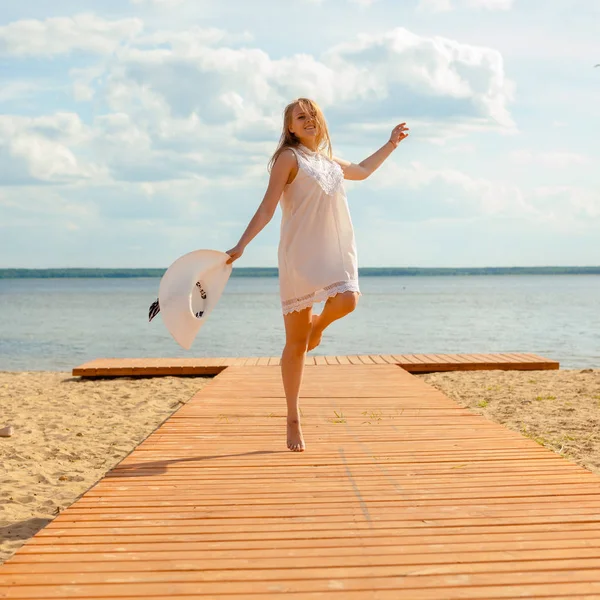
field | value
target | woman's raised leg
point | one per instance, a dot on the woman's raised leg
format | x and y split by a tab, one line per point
335	308
297	330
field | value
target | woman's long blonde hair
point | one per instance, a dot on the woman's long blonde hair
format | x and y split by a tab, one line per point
289	139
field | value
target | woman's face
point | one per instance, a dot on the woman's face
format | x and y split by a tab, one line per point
304	126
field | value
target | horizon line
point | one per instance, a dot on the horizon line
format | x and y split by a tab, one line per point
276	268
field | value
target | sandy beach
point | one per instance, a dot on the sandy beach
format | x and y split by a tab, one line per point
69	432
558	409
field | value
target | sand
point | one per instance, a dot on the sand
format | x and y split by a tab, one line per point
558	409
69	432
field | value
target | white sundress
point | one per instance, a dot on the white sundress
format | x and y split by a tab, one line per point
317	249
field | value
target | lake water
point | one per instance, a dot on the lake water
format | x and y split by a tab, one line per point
56	324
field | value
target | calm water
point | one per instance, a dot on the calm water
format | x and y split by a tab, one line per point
56	324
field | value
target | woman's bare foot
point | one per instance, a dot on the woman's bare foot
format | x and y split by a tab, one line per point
314	339
295	441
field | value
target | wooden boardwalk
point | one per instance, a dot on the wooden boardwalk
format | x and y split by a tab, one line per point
401	494
413	363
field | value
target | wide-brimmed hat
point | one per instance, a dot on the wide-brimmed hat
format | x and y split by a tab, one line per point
188	291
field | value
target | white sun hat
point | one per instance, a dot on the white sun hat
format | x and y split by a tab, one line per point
189	290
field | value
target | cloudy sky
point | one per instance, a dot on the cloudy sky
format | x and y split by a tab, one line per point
133	131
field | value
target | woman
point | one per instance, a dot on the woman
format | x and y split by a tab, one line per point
317	252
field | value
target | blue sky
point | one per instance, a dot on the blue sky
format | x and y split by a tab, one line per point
134	131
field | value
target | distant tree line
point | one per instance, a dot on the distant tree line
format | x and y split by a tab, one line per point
272	272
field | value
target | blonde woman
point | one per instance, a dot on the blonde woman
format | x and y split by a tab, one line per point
317	251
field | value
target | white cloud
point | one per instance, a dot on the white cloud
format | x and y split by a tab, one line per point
197	70
469	81
26	205
567	204
442	133
60	35
365	3
465	80
437	6
434	6
188	106
62	127
553	160
430	193
192	39
42	149
173	104
19	89
47	160
490	4
159	2
177	121
83	81
417	194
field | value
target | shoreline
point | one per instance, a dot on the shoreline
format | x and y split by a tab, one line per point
154	272
68	432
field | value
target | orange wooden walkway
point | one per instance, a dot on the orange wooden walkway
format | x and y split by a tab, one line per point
413	363
401	495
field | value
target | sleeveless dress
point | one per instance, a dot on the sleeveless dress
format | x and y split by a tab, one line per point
317	249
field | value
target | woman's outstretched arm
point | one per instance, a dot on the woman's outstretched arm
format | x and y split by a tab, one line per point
279	176
363	169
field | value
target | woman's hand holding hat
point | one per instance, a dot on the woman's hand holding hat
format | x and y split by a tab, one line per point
235	253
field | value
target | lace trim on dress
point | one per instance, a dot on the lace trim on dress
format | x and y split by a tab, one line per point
297	304
327	173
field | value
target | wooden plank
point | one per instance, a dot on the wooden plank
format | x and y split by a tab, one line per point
554	536
316	578
536	362
453	359
88	368
406	359
388	358
251	361
213	366
444	363
344	556
366	359
377	359
525	357
400	494
239	361
354	360
422	358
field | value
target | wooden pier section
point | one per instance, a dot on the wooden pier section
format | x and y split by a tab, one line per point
401	494
413	363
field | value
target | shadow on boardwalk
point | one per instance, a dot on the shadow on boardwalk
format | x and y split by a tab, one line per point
159	467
